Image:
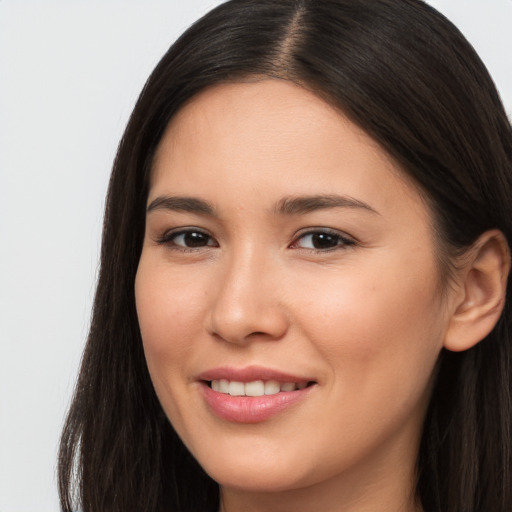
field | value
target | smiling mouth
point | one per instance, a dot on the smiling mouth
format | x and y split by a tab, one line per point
255	388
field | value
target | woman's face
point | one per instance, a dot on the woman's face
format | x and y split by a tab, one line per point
286	254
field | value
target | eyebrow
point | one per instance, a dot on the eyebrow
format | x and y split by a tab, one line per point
181	204
306	204
297	205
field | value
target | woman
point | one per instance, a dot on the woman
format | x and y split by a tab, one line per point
303	299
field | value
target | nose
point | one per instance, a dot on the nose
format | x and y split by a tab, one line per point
249	302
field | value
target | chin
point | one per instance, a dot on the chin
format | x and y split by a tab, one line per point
256	481
252	476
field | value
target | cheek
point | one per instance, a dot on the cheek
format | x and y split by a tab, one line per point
169	328
379	327
169	309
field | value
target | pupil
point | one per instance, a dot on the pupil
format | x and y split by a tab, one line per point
324	241
195	239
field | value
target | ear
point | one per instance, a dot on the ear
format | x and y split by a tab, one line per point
481	287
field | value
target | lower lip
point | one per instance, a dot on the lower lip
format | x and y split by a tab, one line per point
249	409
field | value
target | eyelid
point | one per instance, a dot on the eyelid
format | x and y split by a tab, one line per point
346	240
168	236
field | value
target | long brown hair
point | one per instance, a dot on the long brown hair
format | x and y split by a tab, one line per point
404	74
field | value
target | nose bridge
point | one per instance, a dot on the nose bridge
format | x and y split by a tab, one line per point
247	302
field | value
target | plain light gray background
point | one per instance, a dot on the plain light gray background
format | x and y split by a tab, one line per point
70	72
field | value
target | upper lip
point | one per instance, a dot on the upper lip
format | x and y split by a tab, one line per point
249	374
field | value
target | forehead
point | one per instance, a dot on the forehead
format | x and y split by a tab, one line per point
273	137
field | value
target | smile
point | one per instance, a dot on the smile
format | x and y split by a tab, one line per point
254	388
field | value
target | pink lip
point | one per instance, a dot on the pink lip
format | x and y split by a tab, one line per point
249	374
242	409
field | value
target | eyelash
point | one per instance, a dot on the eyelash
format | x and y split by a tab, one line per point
342	241
169	237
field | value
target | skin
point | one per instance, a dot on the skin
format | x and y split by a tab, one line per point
366	319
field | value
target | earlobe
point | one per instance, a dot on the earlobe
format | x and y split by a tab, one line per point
483	283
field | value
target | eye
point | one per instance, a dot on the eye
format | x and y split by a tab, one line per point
188	239
322	240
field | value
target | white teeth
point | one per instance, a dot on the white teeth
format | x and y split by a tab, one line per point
288	386
254	388
223	386
272	387
236	388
